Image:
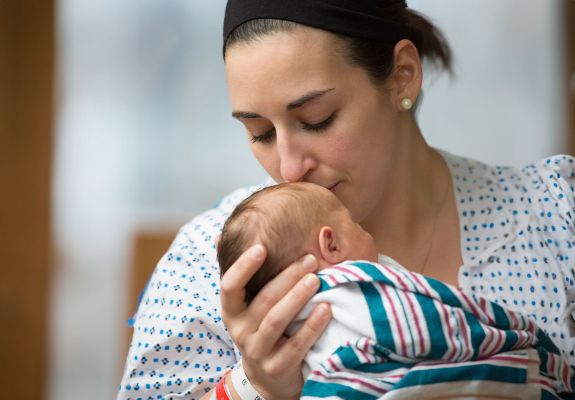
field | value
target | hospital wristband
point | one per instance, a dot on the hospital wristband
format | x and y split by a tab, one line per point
242	384
222	392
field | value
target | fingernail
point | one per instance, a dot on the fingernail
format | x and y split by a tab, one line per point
323	310
256	251
309	263
310	280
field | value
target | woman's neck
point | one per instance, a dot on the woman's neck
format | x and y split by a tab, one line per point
416	188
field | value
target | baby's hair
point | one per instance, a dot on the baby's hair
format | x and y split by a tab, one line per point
283	218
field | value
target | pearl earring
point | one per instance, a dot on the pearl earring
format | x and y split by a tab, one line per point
406	104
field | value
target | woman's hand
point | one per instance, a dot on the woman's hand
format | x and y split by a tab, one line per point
272	361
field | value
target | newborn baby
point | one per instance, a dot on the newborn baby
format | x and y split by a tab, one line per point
394	333
291	220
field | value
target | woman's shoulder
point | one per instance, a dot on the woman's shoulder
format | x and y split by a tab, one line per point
541	191
557	172
554	179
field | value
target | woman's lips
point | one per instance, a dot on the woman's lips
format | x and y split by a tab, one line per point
334	187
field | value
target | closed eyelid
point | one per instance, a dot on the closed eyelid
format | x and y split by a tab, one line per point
262	138
326	122
259	135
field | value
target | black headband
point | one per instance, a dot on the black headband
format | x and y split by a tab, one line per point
357	18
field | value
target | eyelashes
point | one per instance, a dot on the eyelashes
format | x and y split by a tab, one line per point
319	127
263	138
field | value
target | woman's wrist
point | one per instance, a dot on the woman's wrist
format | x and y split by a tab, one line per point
222	390
241	386
233	394
237	379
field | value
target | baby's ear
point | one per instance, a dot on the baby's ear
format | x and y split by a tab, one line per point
329	245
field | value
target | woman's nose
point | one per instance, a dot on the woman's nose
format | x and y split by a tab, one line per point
294	157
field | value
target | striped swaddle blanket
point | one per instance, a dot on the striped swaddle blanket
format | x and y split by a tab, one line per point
400	335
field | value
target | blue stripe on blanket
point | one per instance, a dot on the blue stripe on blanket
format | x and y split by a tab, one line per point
458	373
378	315
511	340
323	285
323	390
433	321
447	296
348	357
502	321
477	334
350	361
547	395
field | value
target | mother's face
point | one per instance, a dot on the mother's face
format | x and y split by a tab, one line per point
311	116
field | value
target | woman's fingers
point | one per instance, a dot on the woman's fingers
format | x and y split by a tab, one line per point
278	318
234	281
278	287
258	329
293	351
280	370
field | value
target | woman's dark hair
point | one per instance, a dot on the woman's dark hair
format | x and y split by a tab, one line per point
375	56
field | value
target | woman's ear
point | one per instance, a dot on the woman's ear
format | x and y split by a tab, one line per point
329	246
407	74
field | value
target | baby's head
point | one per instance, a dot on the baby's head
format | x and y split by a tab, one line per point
290	220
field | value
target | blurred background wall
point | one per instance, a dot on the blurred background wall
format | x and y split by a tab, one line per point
143	141
26	144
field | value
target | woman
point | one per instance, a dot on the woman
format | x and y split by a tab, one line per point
326	91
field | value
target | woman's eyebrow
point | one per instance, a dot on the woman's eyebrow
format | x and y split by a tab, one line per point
307	98
291	106
245	114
